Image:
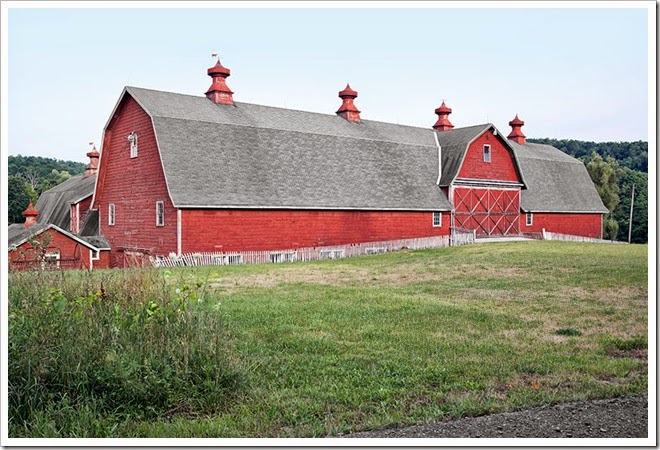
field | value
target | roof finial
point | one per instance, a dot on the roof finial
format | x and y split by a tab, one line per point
93	156
30	215
516	134
443	123
348	110
219	92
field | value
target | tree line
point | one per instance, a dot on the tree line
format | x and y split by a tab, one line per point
29	176
613	166
633	155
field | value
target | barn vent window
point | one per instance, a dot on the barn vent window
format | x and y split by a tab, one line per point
529	219
51	260
111	214
437	219
133	141
486	153
160	213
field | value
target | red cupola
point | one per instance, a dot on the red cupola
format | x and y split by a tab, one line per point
516	134
93	165
348	110
30	215
443	123
219	92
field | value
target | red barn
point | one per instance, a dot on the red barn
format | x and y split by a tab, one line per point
35	245
181	174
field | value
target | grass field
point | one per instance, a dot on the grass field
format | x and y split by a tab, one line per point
329	347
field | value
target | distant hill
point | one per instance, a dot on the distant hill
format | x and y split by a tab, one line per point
633	155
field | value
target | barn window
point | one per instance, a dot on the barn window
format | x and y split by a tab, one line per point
437	219
111	214
51	260
160	213
529	219
133	140
95	254
486	153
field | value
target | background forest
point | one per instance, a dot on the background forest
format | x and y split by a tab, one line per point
614	167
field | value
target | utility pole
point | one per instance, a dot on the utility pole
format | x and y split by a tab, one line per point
632	201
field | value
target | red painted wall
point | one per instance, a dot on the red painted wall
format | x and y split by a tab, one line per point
235	230
104	260
83	209
133	185
588	225
25	255
501	166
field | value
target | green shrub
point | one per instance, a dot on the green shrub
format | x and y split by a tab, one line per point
125	343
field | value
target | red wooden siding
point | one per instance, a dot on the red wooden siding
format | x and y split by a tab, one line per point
73	255
501	166
133	185
488	211
83	209
234	230
588	225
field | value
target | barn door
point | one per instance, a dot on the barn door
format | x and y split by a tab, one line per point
488	211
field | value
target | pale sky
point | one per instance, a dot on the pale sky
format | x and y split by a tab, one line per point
568	73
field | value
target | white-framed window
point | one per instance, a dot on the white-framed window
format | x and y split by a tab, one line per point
486	153
437	219
529	219
160	213
95	255
51	260
133	140
111	214
375	250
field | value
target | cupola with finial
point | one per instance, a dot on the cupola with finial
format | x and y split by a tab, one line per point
93	165
348	110
443	123
516	134
219	92
30	215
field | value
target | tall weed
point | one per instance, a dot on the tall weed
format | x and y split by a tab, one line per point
126	343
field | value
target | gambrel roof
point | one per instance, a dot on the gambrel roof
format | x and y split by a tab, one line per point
54	204
253	156
556	182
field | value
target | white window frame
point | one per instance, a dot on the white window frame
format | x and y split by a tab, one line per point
438	215
529	219
51	260
96	255
133	139
487	153
160	213
111	214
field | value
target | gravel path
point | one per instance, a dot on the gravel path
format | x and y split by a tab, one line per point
622	417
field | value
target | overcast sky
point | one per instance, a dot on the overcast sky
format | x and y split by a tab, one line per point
568	73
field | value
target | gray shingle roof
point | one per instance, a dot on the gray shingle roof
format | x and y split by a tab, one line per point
18	233
256	156
53	204
556	182
265	157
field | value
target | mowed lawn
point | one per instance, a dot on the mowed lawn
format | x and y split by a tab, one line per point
338	346
329	347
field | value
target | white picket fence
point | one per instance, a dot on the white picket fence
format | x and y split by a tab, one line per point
311	253
550	236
